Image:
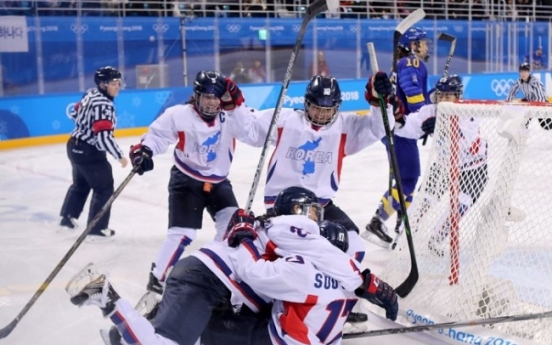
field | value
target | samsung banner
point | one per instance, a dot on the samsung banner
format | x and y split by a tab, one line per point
34	116
13	35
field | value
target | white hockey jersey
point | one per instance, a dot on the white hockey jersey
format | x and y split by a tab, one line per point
470	147
204	150
310	157
281	236
310	307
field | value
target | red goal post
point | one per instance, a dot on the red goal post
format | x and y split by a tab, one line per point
481	219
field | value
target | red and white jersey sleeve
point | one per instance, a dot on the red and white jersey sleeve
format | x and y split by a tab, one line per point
412	127
310	307
203	151
298	235
363	130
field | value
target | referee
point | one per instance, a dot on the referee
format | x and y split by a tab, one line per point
532	88
95	120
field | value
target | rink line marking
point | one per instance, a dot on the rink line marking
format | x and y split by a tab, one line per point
61	138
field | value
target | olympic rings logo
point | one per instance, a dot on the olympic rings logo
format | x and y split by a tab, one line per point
353	28
501	87
160	28
296	28
233	28
79	29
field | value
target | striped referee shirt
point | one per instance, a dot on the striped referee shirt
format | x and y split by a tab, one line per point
533	90
95	120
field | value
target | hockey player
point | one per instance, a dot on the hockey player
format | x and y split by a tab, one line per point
204	281
203	155
532	88
310	307
95	119
311	144
413	47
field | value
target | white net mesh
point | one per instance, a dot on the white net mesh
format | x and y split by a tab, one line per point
481	221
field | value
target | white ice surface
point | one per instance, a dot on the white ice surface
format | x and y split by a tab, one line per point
33	183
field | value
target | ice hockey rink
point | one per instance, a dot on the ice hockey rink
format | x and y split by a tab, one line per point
33	184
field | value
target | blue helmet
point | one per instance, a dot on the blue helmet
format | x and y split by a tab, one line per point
106	75
335	233
290	197
451	84
212	84
323	95
415	35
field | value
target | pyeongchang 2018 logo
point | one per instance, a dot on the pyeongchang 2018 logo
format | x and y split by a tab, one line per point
501	87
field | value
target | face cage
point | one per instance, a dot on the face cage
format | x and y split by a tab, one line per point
457	94
429	44
208	112
313	107
318	210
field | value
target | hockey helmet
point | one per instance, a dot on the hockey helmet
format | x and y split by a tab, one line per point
335	233
209	87
416	35
322	100
525	67
451	84
106	74
297	196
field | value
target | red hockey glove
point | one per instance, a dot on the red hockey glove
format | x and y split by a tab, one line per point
380	293
140	156
233	97
240	227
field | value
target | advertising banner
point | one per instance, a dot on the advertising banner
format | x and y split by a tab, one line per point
13	35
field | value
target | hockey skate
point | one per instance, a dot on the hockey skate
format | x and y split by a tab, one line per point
154	285
107	235
376	232
68	223
98	292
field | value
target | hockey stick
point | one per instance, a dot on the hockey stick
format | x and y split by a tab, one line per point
318	6
4	332
400	29
452	40
406	287
452	324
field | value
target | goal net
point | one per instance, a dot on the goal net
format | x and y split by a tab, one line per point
481	221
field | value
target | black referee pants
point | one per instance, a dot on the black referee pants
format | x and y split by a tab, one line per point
91	170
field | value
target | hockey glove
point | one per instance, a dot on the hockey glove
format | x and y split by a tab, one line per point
240	227
379	293
398	110
378	84
140	156
233	97
428	126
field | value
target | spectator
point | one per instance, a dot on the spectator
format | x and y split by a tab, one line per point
256	72
537	61
320	66
238	74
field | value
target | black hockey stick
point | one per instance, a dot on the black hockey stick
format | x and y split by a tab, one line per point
452	40
4	332
452	324
406	287
318	6
400	29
